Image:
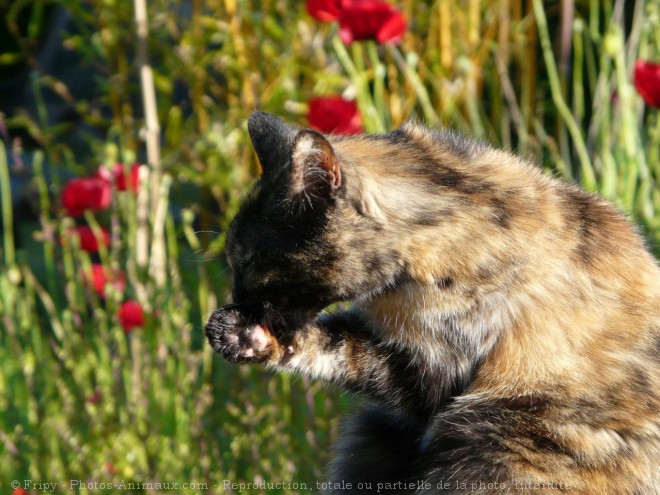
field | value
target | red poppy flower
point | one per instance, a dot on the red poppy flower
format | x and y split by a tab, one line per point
334	115
647	82
131	315
371	20
124	181
130	181
102	276
88	241
89	193
20	491
326	10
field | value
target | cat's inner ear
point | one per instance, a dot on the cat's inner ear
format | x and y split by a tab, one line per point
271	138
315	171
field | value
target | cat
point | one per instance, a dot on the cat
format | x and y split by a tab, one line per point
504	325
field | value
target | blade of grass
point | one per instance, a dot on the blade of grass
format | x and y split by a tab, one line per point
406	65
7	210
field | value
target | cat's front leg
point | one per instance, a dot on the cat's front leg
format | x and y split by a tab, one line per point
322	347
338	348
319	347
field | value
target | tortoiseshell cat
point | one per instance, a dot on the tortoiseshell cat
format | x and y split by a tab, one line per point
505	325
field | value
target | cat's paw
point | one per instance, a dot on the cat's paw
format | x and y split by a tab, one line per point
238	340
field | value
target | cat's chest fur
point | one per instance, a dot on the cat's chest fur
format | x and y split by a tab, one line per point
431	319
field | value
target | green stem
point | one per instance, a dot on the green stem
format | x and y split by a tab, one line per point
588	175
47	224
372	120
420	90
7	213
379	80
578	73
633	161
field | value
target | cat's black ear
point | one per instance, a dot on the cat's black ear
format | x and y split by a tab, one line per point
272	139
315	171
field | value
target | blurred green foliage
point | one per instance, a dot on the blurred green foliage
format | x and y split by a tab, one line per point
82	400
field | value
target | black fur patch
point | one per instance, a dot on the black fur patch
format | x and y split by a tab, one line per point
523	403
444	283
335	323
376	447
501	215
584	212
272	139
399	137
433	218
287	264
447	177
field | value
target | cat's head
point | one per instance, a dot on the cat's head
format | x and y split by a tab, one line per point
292	245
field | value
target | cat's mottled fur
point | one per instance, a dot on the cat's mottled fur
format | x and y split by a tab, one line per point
504	324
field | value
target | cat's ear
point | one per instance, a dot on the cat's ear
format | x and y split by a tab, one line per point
315	171
271	138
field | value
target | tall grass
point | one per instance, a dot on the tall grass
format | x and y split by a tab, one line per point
80	399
